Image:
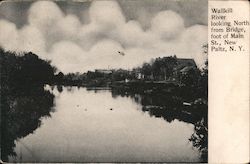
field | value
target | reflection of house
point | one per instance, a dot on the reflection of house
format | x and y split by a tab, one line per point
105	71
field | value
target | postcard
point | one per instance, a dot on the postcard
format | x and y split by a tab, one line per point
107	81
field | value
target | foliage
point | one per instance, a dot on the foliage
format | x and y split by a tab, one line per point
25	69
23	99
199	138
159	69
191	78
163	67
21	112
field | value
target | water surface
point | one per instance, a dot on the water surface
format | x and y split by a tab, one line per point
98	126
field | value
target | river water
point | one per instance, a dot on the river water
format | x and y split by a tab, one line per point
87	125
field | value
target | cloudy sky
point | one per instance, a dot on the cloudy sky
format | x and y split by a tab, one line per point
83	35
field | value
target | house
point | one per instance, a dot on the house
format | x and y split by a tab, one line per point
184	63
139	75
104	71
183	67
185	70
181	63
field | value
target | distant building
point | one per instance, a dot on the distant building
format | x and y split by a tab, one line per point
105	71
186	62
185	70
183	66
138	74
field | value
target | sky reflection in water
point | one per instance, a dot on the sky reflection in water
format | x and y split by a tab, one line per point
94	126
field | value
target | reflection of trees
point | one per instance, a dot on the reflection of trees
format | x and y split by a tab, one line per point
59	88
200	138
21	114
23	99
165	105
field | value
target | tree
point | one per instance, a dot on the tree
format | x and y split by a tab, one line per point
24	69
190	78
59	77
146	70
163	67
203	81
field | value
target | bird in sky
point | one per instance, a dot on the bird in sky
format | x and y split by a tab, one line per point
121	53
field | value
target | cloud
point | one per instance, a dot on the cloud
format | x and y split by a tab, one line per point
31	39
193	38
26	39
43	14
131	34
106	13
167	24
76	47
8	35
68	56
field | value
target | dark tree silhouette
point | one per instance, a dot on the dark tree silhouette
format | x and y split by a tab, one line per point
23	99
24	70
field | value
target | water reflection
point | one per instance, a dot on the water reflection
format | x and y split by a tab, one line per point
170	108
22	111
200	138
59	88
103	125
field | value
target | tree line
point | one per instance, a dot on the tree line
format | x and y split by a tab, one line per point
25	70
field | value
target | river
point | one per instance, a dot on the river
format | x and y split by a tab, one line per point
90	125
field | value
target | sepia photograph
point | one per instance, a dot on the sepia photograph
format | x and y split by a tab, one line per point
104	81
